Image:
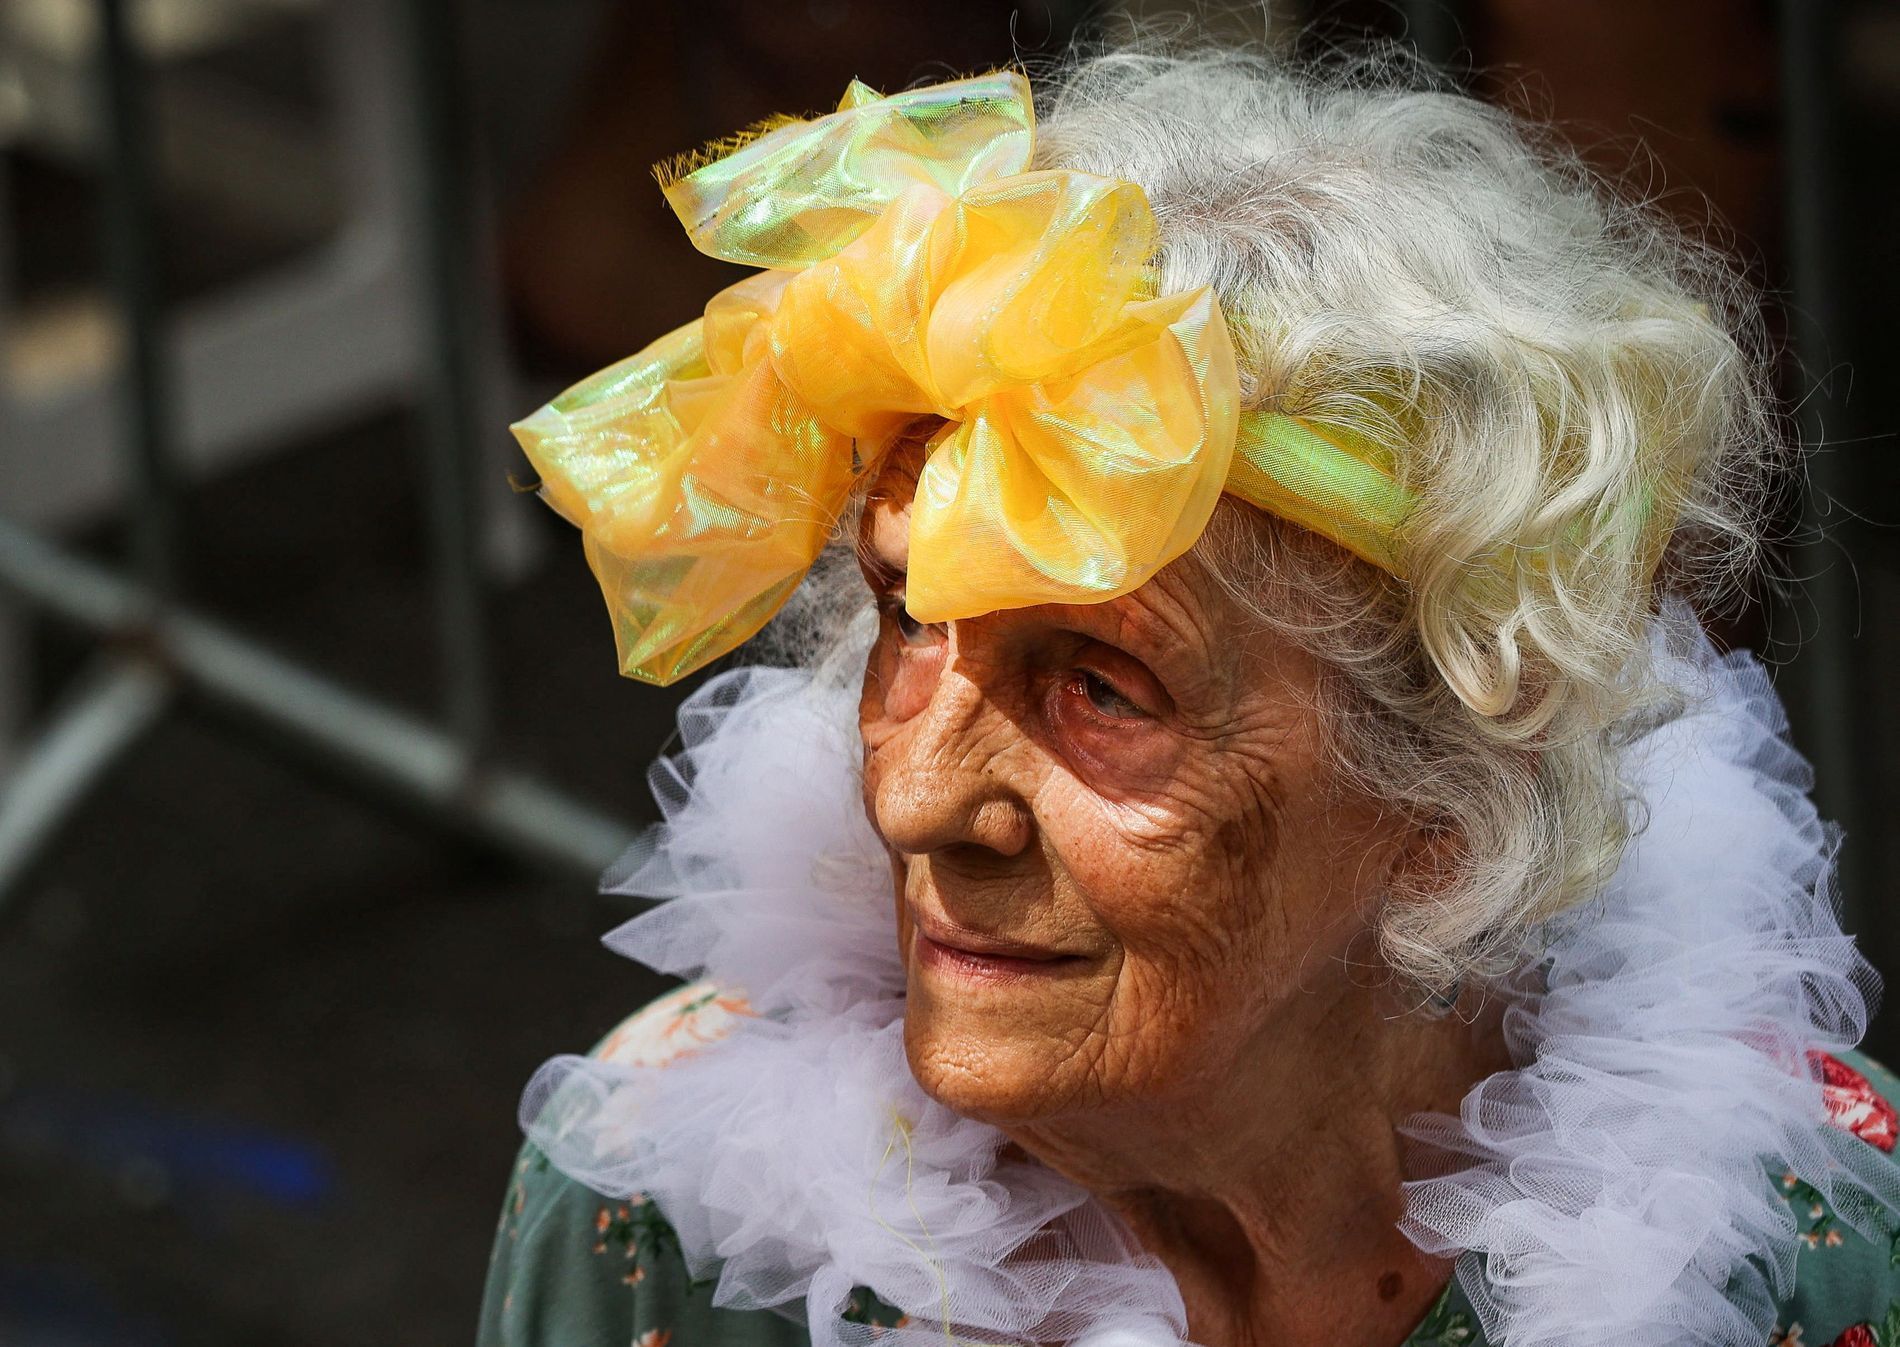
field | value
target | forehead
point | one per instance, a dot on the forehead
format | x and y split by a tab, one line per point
884	531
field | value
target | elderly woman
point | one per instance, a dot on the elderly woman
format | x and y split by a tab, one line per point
1257	849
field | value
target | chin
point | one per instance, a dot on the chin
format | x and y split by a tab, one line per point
991	1067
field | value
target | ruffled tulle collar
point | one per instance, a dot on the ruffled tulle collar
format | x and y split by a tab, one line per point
1612	1190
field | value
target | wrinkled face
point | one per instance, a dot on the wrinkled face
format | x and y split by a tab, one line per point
1123	855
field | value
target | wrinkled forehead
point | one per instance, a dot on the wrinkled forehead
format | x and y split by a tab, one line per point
884	531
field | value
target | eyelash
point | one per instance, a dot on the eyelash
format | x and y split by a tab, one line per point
909	630
1095	689
914	633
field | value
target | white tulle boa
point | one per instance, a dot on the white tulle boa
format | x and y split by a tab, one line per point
1613	1190
1617	1185
799	1156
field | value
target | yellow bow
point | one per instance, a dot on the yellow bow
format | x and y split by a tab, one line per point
917	267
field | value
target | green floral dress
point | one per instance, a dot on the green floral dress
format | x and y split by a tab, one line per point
571	1268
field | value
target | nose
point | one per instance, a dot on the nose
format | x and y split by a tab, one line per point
940	783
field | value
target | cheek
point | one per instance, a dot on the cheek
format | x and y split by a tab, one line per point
1230	883
1184	894
1195	936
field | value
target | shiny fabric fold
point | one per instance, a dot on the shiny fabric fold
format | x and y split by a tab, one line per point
916	267
801	192
703	487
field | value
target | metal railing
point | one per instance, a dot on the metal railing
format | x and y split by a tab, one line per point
151	645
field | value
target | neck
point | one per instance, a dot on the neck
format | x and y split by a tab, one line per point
1276	1203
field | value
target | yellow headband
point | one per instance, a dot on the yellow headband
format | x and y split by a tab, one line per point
916	267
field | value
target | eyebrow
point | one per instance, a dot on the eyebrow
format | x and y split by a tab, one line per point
1142	633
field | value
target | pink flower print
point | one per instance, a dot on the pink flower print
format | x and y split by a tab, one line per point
679	1023
1853	1105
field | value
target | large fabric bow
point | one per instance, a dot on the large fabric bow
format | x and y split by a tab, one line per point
916	267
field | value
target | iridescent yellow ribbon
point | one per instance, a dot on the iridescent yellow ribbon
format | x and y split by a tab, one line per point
917	267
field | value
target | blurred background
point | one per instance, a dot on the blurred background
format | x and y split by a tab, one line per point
310	735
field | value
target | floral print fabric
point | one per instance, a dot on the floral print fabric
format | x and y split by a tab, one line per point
573	1269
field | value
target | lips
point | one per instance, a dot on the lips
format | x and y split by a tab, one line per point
972	954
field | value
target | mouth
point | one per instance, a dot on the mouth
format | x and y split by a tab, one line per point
984	958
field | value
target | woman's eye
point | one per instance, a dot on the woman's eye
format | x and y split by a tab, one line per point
915	632
1102	696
